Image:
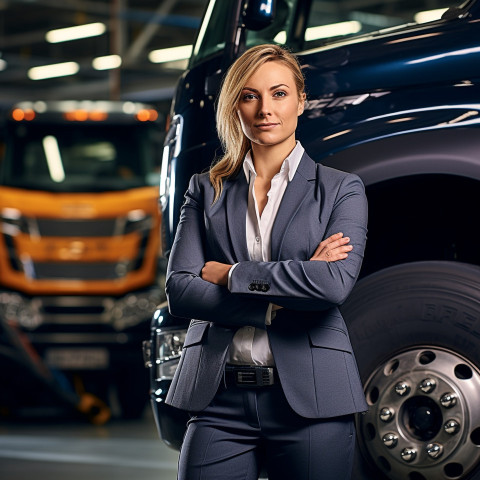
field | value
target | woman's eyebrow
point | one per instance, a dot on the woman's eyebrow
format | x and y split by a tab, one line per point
279	85
271	88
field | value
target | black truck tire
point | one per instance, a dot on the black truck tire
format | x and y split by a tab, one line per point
416	334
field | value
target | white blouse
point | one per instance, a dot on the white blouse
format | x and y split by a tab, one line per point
250	345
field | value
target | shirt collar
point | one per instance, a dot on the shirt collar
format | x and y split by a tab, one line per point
290	164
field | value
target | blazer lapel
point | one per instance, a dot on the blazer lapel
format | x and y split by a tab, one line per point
236	204
295	193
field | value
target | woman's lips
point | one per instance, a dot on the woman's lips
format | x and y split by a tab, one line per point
266	126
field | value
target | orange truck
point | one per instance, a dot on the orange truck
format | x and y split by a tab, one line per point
80	265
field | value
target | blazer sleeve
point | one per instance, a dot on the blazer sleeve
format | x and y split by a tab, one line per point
188	294
313	285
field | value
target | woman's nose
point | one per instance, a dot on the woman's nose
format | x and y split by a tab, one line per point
265	108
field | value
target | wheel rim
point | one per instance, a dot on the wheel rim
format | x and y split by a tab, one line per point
424	417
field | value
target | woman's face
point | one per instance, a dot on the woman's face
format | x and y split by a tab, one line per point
269	106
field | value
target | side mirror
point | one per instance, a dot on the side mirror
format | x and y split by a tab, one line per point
259	14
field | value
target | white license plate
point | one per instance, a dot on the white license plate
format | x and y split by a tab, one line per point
77	358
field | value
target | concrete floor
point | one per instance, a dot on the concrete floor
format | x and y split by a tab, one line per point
65	449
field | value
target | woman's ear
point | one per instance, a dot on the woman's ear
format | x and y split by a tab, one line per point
301	103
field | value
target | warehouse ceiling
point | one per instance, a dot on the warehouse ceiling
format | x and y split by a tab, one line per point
130	30
133	28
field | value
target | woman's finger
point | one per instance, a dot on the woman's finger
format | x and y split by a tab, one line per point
337	243
331	246
327	241
334	254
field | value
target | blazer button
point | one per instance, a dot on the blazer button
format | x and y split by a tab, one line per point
251	287
265	288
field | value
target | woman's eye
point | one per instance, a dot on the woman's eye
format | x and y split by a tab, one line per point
249	96
280	93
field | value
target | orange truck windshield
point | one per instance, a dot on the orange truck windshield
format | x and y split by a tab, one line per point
66	158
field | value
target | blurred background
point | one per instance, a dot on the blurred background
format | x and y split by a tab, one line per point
85	93
86	88
97	49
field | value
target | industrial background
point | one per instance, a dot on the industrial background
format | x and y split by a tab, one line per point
131	51
106	110
128	29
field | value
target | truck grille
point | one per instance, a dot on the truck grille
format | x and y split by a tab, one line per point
76	228
72	271
76	267
74	310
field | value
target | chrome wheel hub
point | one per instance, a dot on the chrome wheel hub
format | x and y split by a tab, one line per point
424	416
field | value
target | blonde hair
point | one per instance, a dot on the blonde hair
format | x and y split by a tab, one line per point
234	142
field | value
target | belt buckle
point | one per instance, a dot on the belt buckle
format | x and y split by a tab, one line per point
254	376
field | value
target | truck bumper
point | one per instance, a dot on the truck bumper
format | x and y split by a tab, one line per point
171	422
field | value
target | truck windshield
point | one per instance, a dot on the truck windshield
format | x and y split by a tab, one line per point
80	158
327	21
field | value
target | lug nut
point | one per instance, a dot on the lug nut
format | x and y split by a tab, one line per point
387	414
451	427
402	388
434	450
390	440
427	385
408	454
448	400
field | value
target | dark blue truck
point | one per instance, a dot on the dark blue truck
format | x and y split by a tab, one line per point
393	94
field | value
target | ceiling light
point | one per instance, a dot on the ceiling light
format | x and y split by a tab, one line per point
332	30
429	15
170	54
107	62
75	33
52	71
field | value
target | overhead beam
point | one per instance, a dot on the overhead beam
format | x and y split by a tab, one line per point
138	46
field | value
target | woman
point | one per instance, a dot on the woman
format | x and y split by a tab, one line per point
268	245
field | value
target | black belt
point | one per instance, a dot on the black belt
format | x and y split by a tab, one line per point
250	376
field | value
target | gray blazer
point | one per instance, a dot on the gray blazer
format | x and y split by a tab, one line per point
308	337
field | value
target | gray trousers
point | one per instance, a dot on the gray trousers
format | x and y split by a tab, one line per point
246	430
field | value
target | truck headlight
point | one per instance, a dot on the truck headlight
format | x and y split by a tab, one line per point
20	310
135	307
169	345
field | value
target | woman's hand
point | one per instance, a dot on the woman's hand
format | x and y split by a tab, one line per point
216	272
333	248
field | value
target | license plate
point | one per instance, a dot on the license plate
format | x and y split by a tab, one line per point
77	358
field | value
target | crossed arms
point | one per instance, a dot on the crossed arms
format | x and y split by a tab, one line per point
196	287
